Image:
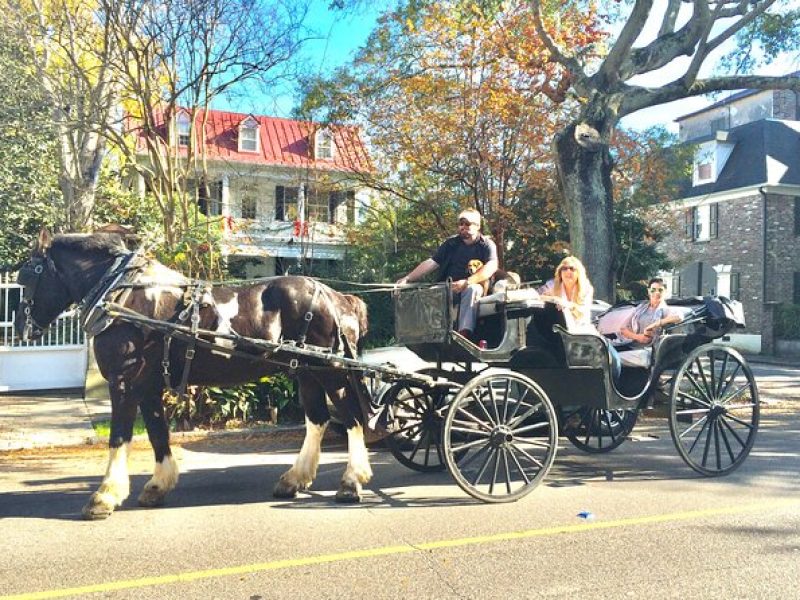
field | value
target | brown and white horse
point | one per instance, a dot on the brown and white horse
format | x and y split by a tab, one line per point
69	269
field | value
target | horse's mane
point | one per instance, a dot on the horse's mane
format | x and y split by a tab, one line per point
107	243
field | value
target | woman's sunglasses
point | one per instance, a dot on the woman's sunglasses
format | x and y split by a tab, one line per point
567	268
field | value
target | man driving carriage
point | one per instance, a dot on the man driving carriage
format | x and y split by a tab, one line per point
469	259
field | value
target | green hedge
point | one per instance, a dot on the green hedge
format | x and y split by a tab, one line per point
787	321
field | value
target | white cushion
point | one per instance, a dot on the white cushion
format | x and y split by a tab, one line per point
521	298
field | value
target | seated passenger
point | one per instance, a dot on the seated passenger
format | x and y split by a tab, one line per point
571	291
636	337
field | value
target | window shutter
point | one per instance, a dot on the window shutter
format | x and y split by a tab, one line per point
797	216
714	220
279	203
334	199
796	287
351	207
689	223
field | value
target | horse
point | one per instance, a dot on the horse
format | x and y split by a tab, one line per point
140	358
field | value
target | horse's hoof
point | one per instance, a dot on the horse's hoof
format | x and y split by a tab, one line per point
348	495
151	497
97	509
284	489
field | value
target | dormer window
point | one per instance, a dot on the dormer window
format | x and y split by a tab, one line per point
248	135
323	145
704	165
183	129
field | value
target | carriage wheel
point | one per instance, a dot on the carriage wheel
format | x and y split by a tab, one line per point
500	436
418	414
714	410
596	430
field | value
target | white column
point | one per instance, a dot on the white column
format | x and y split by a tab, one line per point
723	280
225	197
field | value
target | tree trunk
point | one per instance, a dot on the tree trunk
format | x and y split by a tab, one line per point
585	175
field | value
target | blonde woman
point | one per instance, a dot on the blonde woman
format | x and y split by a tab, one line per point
571	291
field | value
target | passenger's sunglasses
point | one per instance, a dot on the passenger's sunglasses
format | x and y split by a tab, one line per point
567	268
466	223
660	290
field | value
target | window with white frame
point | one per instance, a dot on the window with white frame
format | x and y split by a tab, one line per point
286	203
704	165
323	145
248	135
317	206
183	129
702	222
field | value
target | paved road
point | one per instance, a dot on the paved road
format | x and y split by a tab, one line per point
658	530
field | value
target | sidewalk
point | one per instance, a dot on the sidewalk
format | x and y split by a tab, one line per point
49	418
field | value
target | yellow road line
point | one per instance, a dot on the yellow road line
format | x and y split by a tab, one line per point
394	550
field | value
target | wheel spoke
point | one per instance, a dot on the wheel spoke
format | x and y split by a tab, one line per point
708	442
490	393
722	377
734	432
479	401
530	457
704	422
533	427
738	391
472	444
708	388
739	421
691	379
507	395
724	437
518	465
531	411
471	431
730	380
506	470
482	424
492	452
717	448
687	396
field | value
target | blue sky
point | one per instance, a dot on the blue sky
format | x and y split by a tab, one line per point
337	39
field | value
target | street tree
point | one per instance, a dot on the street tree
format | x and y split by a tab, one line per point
175	58
29	192
69	53
607	84
453	119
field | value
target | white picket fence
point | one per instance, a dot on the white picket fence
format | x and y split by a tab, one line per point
56	360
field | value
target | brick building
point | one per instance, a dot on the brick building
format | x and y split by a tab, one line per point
737	229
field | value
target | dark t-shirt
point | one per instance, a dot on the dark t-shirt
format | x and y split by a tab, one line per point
454	255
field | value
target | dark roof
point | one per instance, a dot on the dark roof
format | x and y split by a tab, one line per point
747	165
730	99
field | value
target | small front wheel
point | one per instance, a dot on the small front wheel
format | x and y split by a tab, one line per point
500	436
714	410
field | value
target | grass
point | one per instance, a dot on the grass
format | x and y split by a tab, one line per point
103	428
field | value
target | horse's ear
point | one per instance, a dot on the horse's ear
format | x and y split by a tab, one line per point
44	241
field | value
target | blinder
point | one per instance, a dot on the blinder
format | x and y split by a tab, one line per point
29	277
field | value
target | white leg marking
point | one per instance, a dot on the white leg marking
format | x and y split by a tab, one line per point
165	475
116	483
305	467
358	458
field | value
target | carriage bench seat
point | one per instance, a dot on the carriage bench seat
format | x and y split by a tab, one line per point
520	302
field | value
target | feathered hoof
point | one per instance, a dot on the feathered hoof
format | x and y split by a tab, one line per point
348	494
152	496
284	489
98	508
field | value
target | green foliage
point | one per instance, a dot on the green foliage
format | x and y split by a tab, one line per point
762	41
29	193
114	203
787	321
250	402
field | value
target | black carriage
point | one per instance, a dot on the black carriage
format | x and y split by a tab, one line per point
493	410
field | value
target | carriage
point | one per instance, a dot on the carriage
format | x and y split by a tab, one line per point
490	413
495	410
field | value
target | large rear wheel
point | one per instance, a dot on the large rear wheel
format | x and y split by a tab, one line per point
714	410
500	436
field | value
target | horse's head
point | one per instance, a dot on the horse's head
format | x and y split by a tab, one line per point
45	294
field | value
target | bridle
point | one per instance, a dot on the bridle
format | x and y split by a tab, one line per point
28	277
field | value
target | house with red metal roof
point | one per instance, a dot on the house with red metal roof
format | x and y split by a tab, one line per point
285	189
